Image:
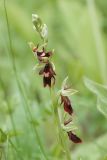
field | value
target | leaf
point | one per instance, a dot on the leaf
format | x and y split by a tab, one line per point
98	89
102	107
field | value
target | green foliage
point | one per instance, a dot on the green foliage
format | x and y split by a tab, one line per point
102	107
72	33
101	92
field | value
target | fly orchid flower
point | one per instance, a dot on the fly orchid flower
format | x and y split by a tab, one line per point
69	127
48	75
44	67
67	104
65	92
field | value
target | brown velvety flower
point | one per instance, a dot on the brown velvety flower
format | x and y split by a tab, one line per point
48	75
67	104
73	137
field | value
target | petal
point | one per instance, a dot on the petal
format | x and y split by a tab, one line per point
69	127
64	83
53	80
68	108
48	54
67	104
39	54
73	137
68	92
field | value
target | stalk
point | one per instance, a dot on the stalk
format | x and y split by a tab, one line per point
57	121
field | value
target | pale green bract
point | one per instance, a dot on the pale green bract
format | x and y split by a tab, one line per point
65	90
69	127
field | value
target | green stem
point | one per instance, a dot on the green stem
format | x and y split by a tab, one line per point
57	121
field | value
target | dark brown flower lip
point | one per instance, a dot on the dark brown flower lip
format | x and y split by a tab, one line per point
47	81
73	137
67	104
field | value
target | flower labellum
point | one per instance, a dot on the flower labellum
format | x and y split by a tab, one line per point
67	104
73	137
48	75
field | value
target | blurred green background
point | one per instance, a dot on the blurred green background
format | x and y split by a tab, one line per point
78	33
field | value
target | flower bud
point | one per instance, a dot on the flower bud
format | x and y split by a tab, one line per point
36	22
44	31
